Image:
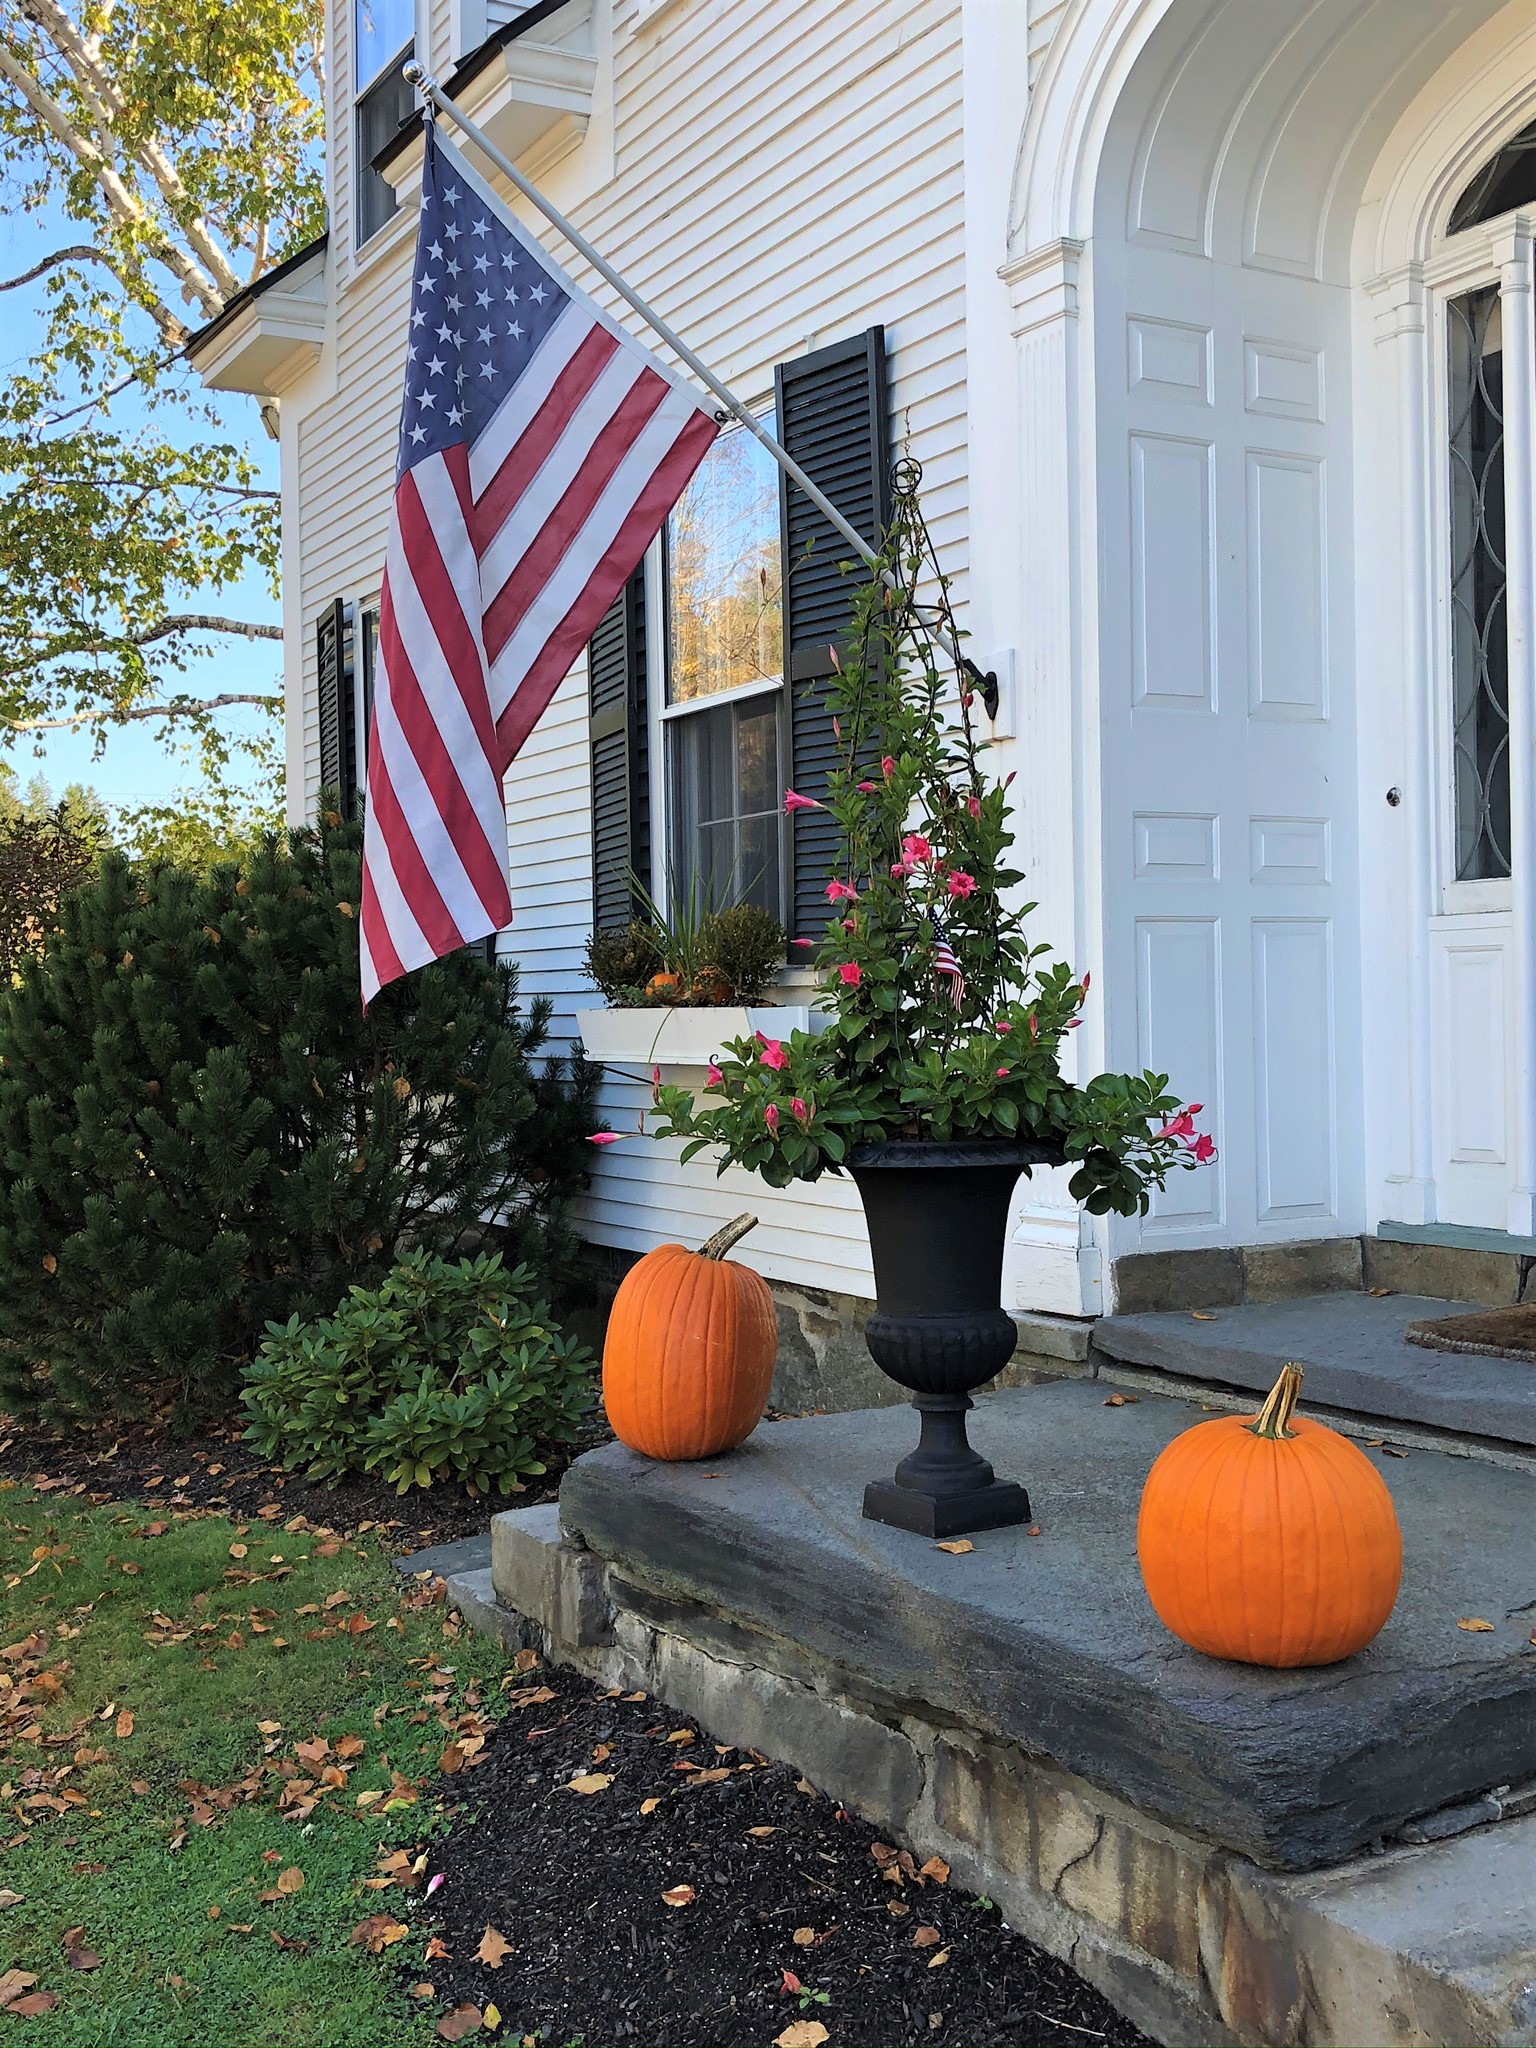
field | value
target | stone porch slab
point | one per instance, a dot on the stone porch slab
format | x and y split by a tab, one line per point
1047	1642
1355	1355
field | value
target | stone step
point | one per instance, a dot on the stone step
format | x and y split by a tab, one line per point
1355	1355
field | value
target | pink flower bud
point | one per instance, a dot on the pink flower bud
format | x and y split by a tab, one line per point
795	802
798	1109
604	1138
973	805
655	1084
771	1116
887	766
868	786
1003	1073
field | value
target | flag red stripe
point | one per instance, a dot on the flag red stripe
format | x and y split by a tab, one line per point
411	871
424	738
379	947
434	586
548	548
529	451
640	527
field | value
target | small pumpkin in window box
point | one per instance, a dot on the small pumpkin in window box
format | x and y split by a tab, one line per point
1269	1539
689	1354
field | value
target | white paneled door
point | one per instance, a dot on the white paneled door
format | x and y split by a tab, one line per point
1226	698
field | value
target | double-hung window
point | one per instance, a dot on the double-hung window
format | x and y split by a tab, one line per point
384	36
723	718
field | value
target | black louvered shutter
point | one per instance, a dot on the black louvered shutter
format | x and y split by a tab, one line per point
620	731
832	419
338	705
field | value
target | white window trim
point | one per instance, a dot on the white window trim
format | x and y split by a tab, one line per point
763	687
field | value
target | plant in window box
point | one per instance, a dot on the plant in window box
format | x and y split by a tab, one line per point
691	957
938	1078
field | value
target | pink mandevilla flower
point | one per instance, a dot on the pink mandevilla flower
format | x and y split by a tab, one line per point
1180	1126
795	802
915	848
801	1114
962	884
655	1084
716	1078
1203	1148
842	892
772	1055
900	869
771	1116
850	973
850	924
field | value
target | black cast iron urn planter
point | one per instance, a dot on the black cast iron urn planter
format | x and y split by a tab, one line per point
937	1216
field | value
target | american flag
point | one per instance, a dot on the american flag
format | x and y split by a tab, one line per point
945	963
540	450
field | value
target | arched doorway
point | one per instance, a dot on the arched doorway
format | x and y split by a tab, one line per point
1244	204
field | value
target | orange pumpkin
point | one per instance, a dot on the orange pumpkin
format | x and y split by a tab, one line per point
1270	1540
667	985
688	1358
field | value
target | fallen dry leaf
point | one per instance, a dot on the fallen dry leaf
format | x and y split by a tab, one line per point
679	1895
13	1984
804	1937
379	1932
937	1962
1122	1400
290	1881
958	1547
9	1898
650	1805
463	2020
590	1782
492	2015
1198	1316
82	1959
1377	1292
682	1735
452	1761
238	1549
494	1949
1475	1625
35	2002
760	1834
926	1937
802	2034
124	1725
936	1870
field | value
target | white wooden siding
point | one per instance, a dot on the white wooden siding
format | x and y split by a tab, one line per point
785	174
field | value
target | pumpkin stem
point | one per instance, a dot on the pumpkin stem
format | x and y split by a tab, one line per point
728	1234
1272	1419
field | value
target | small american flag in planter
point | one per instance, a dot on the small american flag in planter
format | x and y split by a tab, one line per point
945	963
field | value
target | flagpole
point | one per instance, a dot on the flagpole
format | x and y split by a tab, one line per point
416	75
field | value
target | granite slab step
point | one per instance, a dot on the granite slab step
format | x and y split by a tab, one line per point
1355	1355
1048	1641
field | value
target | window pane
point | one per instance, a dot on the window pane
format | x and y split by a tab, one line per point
381	113
382	28
727	822
1506	181
724	602
1479	633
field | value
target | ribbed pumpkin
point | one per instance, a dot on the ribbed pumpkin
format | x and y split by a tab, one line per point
1270	1540
689	1354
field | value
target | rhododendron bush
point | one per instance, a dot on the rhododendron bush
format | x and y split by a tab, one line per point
943	1020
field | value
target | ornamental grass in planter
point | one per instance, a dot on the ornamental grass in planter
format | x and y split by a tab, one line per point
938	1079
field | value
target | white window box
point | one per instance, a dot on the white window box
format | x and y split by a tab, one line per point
685	1037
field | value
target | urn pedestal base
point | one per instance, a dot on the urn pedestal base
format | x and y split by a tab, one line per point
944	1488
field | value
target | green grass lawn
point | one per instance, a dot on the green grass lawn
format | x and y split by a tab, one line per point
174	1688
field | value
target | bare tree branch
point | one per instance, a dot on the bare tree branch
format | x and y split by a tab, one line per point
80	252
207	622
124	483
57	419
182	709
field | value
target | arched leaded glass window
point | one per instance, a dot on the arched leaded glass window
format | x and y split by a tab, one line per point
1506	181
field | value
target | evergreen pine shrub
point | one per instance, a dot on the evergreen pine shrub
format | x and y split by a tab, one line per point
202	1133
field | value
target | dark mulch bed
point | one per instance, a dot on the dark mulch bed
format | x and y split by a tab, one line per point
574	1883
143	1461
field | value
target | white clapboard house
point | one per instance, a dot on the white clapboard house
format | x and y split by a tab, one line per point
1211	323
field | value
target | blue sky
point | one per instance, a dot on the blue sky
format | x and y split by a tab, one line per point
136	766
